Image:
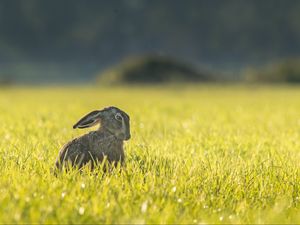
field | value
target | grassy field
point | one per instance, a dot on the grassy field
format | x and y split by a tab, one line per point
198	154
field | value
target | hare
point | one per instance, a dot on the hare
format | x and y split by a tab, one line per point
92	147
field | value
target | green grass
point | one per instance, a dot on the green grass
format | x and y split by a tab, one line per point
198	154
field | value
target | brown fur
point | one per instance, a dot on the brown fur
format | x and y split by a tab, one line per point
92	148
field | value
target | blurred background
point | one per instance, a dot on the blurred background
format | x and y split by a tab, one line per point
140	41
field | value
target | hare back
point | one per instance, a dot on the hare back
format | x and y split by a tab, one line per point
91	147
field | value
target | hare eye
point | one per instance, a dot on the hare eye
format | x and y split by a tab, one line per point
118	117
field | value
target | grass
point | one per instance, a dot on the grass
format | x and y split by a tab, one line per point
198	154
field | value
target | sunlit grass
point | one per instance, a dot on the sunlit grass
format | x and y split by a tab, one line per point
198	154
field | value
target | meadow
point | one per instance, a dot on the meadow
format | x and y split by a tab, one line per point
198	154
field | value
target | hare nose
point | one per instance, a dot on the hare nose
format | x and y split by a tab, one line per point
128	137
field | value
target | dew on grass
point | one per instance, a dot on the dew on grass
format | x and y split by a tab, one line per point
63	194
174	189
16	196
7	136
81	210
144	206
17	216
50	209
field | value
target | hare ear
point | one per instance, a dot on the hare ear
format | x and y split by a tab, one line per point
89	120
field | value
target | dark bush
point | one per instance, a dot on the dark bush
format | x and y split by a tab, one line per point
286	71
5	81
152	69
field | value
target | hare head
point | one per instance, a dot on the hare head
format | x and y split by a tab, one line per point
111	119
